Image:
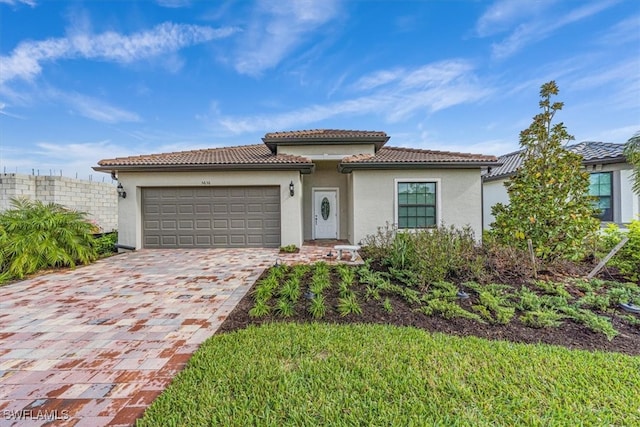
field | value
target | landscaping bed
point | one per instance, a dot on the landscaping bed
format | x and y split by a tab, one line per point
609	328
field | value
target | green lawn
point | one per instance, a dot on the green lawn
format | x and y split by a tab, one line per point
319	374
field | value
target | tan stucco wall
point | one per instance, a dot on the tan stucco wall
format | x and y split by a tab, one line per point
325	175
317	152
130	209
374	193
626	204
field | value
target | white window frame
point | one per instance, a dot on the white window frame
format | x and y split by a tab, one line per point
436	181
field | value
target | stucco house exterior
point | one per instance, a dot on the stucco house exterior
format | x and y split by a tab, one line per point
295	186
611	181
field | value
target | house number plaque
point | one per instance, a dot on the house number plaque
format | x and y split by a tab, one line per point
325	208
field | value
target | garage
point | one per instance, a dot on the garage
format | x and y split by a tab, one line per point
211	217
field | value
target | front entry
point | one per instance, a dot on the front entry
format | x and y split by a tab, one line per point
325	214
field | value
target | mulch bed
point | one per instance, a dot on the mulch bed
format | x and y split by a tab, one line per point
570	334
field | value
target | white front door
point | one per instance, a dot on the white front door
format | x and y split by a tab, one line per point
325	214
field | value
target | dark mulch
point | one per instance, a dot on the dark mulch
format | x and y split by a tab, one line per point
569	334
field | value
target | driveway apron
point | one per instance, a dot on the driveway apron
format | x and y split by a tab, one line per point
95	345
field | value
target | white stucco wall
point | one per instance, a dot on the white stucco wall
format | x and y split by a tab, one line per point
629	201
130	209
460	201
493	192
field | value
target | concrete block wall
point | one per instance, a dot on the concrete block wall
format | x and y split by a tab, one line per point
98	199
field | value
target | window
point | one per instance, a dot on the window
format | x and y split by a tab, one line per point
416	204
601	188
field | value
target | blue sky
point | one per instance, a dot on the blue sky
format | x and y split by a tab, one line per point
85	80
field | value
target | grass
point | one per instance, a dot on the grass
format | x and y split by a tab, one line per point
284	374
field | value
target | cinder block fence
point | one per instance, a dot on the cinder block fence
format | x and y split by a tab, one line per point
98	199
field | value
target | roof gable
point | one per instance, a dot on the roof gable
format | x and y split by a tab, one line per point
324	137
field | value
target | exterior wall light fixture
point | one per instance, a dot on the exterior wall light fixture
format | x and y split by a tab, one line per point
121	192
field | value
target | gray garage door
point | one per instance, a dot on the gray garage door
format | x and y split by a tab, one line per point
220	217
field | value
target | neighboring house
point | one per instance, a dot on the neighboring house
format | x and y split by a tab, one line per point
296	186
611	181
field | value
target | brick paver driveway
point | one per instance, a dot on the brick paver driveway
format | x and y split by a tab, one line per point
94	346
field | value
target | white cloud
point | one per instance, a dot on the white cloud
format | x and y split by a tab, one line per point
379	78
25	60
502	14
98	110
4	112
539	26
277	28
425	89
625	31
31	3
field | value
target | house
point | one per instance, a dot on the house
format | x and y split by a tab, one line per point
295	186
611	181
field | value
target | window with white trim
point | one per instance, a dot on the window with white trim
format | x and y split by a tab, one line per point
416	204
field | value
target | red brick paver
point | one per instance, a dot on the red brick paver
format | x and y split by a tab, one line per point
94	346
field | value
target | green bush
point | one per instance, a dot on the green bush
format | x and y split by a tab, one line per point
627	259
427	256
105	245
38	235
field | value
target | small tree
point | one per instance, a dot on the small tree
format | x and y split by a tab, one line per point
632	153
549	194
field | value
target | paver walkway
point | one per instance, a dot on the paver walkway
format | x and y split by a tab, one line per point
94	346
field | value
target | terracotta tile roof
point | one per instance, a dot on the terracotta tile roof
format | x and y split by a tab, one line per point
324	134
414	155
591	151
257	154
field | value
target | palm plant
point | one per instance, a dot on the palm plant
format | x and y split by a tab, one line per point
41	235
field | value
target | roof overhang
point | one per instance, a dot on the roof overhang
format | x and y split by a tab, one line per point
347	167
304	168
377	141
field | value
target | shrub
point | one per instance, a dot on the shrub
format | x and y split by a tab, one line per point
105	245
427	256
289	249
40	235
627	259
542	318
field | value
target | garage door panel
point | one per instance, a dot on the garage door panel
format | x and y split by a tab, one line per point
221	240
203	224
168	240
203	209
186	240
168	209
238	224
185	225
186	209
271	224
255	224
220	224
204	241
168	224
238	208
220	208
271	207
211	217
